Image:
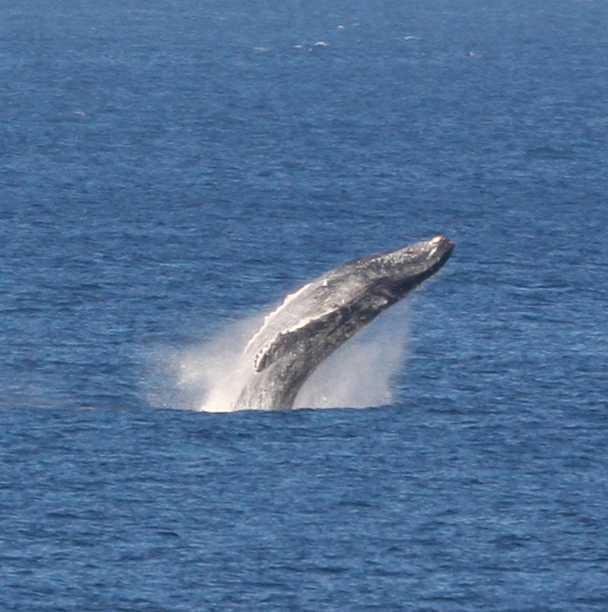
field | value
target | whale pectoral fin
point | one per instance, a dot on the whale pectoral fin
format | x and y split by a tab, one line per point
269	353
280	345
286	340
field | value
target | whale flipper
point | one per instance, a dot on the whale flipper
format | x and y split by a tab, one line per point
289	339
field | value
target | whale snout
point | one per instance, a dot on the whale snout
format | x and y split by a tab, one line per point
439	243
440	240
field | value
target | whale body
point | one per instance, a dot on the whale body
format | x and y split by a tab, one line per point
315	320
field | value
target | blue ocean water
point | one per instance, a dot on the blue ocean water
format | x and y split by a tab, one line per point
169	168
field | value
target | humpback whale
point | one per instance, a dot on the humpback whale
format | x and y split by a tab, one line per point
315	320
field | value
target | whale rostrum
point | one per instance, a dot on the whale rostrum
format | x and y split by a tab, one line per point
315	320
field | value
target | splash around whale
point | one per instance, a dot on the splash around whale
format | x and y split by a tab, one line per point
318	318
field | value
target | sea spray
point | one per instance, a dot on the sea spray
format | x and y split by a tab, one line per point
213	374
359	374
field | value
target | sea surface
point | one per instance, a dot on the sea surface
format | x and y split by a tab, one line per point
170	169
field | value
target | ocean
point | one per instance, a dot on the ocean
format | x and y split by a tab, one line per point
169	171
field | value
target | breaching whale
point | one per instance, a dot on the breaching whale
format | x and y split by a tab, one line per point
315	320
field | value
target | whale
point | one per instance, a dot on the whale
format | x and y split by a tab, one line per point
318	318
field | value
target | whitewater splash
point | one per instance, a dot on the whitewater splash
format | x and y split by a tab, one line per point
358	375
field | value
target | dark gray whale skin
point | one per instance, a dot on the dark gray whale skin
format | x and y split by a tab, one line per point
315	320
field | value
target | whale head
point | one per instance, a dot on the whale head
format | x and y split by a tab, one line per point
400	271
